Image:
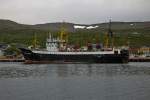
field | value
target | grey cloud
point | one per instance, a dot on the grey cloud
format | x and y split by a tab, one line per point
78	11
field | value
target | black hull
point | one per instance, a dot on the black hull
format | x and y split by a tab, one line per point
31	57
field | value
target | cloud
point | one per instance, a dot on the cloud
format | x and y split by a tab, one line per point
78	11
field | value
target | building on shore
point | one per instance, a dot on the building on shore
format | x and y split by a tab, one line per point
142	51
3	47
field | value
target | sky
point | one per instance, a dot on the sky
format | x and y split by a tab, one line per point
75	11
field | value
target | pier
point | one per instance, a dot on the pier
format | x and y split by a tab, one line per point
12	60
139	59
131	59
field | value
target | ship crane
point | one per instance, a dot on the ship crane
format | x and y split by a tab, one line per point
35	42
63	37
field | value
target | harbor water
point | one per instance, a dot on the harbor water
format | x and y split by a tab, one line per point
74	81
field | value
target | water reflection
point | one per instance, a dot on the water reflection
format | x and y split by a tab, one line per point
75	81
62	71
16	70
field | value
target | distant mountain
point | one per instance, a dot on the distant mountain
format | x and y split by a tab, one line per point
54	26
71	27
138	33
8	24
126	25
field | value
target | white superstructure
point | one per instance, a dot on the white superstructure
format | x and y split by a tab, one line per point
52	44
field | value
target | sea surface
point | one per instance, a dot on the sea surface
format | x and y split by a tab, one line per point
74	81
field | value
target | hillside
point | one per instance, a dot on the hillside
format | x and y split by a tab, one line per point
8	24
138	33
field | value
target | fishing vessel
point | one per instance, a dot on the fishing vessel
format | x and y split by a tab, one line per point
57	51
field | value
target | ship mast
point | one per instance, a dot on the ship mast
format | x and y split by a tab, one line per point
108	35
111	34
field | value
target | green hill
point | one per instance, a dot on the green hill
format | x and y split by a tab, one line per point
137	33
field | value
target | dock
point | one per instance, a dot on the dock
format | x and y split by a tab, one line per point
131	59
139	59
12	60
